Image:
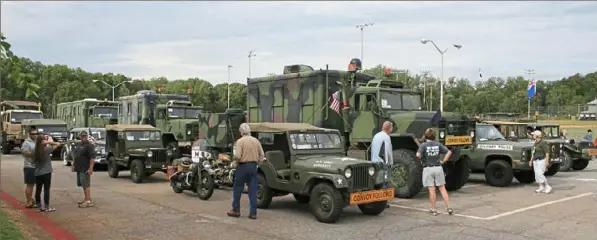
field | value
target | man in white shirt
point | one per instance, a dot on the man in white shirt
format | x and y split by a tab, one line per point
381	149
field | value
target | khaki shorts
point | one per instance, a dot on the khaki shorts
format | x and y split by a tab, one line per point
83	180
433	176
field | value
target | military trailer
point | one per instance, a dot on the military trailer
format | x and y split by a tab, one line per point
357	104
174	115
88	112
52	127
576	154
137	148
11	115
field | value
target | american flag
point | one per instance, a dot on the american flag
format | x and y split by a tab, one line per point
335	104
531	89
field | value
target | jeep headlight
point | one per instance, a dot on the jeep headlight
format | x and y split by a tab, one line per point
348	173
371	171
149	153
472	133
189	132
442	134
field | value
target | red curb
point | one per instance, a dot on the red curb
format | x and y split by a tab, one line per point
55	230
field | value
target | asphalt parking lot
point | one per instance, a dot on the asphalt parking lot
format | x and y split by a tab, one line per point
151	210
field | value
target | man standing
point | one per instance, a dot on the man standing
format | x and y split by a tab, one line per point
540	161
433	173
84	158
27	150
589	136
248	154
381	150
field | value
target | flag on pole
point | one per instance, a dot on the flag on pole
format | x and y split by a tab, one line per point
480	74
531	89
335	103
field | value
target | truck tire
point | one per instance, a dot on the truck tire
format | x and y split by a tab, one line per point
457	174
373	209
406	164
525	177
113	169
264	193
137	171
326	203
567	161
580	164
301	198
553	169
498	173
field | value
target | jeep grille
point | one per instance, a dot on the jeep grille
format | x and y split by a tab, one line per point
159	156
360	179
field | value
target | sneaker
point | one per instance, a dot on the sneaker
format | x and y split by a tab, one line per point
86	204
540	189
547	189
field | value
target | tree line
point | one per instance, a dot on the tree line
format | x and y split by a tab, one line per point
26	79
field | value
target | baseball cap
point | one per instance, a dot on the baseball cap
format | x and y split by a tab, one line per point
83	133
537	133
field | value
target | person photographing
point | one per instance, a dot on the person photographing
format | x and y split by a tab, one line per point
433	172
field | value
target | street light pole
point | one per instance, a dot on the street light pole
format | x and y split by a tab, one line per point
113	87
362	26
228	87
251	54
425	73
441	89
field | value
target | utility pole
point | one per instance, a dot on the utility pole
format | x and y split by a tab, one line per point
530	72
363	26
251	54
228	87
424	78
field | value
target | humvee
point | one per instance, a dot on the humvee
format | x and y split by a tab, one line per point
576	154
502	160
52	127
99	140
137	148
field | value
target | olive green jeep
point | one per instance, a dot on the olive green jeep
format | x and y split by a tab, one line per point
310	163
135	147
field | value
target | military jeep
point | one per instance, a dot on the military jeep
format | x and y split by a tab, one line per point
54	128
137	148
310	163
502	160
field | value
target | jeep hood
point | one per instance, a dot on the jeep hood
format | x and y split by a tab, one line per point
327	163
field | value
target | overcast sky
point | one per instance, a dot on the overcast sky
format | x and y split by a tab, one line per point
199	39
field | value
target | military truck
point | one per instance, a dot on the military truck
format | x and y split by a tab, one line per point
357	104
11	115
174	115
52	127
576	154
502	160
88	112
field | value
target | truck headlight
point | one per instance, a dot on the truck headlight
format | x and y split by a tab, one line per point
149	153
472	133
442	134
348	173
371	171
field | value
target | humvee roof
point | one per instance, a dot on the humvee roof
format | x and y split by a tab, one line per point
129	127
270	127
42	122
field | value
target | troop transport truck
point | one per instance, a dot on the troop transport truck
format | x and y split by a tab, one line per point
357	104
89	112
174	115
11	115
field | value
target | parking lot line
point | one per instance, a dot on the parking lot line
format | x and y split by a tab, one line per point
427	210
536	206
471	185
584	179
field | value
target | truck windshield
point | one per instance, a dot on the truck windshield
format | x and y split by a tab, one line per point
50	128
98	134
110	112
405	101
411	101
143	136
183	113
17	117
489	132
551	132
315	141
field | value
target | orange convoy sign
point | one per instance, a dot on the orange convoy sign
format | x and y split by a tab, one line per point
592	152
371	196
458	140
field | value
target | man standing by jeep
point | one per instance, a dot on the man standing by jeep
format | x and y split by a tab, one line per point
381	150
84	156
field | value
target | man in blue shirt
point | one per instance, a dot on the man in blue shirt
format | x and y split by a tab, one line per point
589	136
381	149
433	173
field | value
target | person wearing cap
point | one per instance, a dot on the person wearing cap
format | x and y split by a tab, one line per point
84	158
540	161
589	136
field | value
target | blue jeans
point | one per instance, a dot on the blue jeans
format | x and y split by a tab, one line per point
245	174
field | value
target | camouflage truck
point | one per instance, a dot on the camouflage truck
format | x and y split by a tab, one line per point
88	112
11	115
502	160
357	104
174	115
54	128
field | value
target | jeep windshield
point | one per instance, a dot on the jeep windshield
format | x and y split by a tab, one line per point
315	141
110	112
98	133
183	113
17	117
143	135
50	129
489	132
400	100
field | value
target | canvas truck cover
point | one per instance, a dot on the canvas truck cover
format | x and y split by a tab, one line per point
129	127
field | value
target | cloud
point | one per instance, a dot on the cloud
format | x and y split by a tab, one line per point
200	39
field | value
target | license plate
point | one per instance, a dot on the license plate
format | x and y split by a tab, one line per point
458	140
592	152
371	196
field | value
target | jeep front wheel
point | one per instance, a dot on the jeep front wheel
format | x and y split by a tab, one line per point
326	203
264	193
113	169
301	198
525	177
498	173
406	175
137	171
457	174
373	209
580	164
567	161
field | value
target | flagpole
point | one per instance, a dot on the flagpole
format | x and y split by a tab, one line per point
530	72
